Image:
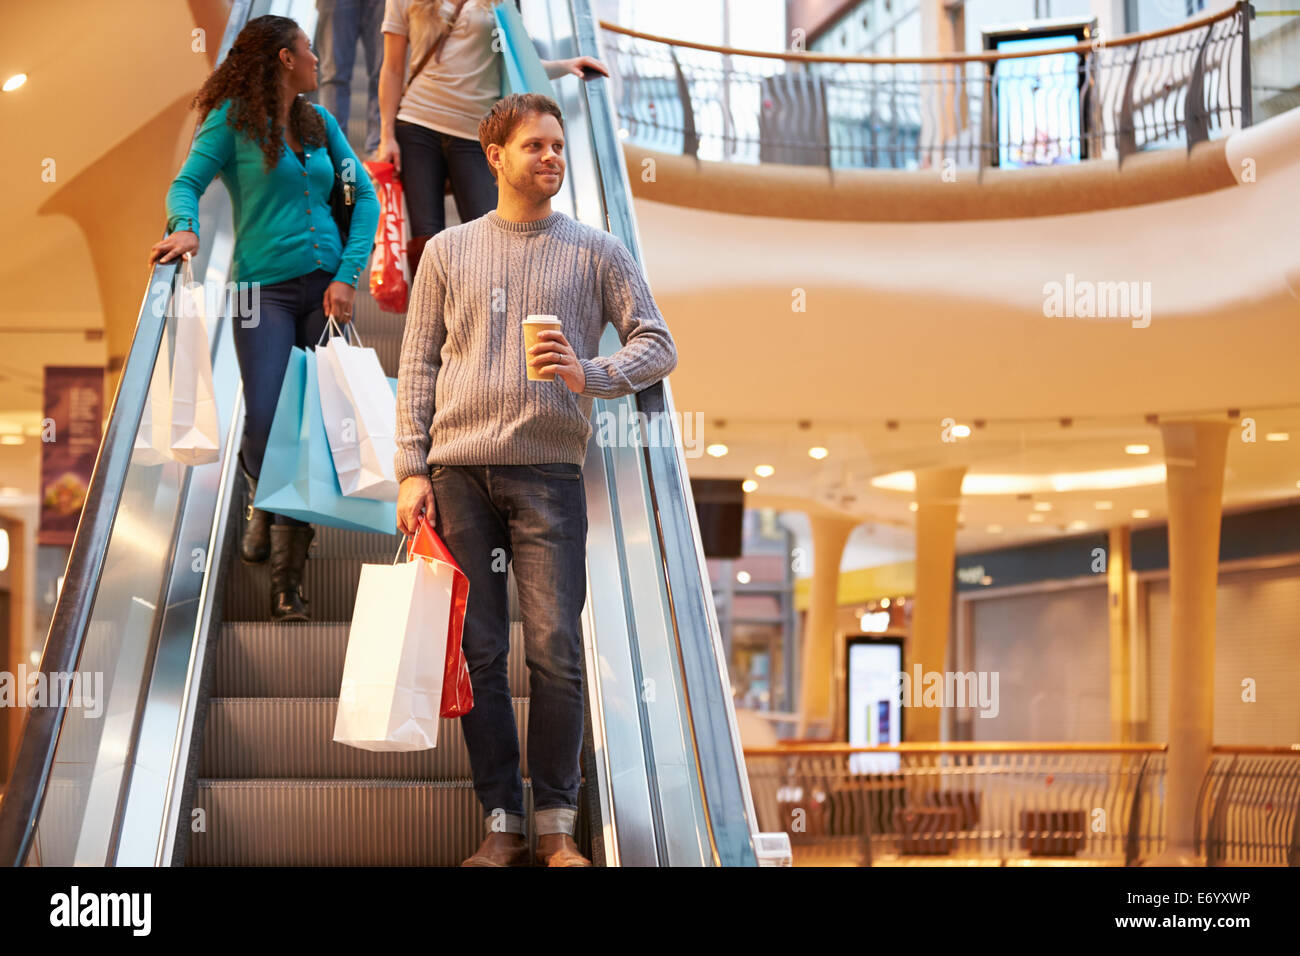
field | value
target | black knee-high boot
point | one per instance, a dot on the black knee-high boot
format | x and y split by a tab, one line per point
289	544
254	544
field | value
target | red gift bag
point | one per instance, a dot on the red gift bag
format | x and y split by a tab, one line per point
389	282
457	695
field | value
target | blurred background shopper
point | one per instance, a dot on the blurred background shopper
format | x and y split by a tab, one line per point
339	24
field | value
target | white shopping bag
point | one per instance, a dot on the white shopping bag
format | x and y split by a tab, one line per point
360	412
194	429
397	648
154	435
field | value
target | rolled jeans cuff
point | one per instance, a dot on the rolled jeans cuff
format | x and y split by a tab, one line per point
498	821
555	820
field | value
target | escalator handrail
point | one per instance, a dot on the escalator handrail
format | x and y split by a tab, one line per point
720	765
76	600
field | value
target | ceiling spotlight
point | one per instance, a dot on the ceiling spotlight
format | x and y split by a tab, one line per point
1137	449
1036	518
1078	525
1042	506
912	506
961	431
749	485
1141	513
1103	505
15	81
1277	436
717	451
742	577
884	602
11	439
818	452
764	471
622	133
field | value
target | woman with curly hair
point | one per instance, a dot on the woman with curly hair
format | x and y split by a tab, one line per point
277	155
429	111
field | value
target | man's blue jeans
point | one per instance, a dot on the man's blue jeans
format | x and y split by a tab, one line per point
338	24
534	516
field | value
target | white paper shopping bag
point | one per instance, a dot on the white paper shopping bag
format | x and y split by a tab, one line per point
397	648
194	428
153	438
360	413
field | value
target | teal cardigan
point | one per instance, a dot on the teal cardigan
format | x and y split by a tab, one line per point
283	226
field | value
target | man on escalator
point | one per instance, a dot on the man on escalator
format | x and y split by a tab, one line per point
495	459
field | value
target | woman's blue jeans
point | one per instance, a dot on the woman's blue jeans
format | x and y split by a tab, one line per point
535	517
429	160
286	314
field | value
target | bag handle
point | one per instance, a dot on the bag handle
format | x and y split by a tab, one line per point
347	336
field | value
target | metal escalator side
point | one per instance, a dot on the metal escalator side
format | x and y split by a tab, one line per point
673	774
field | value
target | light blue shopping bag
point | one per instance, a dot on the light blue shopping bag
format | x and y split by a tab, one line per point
298	477
521	67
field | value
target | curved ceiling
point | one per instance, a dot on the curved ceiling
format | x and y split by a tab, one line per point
917	322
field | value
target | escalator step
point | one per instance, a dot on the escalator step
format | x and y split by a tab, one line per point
305	659
337	822
338	543
286	737
330	585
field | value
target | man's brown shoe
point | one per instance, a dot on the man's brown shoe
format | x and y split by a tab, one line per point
500	849
558	849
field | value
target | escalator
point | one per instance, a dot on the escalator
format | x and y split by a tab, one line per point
214	746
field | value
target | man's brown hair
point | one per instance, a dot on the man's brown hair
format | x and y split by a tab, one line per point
506	115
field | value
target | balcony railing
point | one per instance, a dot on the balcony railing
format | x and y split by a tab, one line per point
1173	87
1019	803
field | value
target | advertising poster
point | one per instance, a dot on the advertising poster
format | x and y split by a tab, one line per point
70	436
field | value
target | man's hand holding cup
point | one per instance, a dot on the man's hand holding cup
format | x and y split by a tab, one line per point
549	354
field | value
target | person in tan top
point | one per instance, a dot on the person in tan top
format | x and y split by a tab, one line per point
429	121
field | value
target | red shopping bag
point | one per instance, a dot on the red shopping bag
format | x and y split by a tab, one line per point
457	695
389	282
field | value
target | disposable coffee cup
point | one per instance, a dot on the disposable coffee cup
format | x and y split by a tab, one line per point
533	325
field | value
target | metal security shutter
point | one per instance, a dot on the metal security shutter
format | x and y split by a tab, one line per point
1052	654
1257	635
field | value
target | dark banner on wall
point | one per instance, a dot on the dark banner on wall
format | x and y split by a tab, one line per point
70	436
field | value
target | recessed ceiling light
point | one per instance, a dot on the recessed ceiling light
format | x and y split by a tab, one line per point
884	602
764	471
994	529
912	506
1078	525
1137	449
15	81
818	452
742	577
1103	505
1277	436
961	431
622	133
11	439
749	485
717	451
1141	513
1036	517
1042	506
